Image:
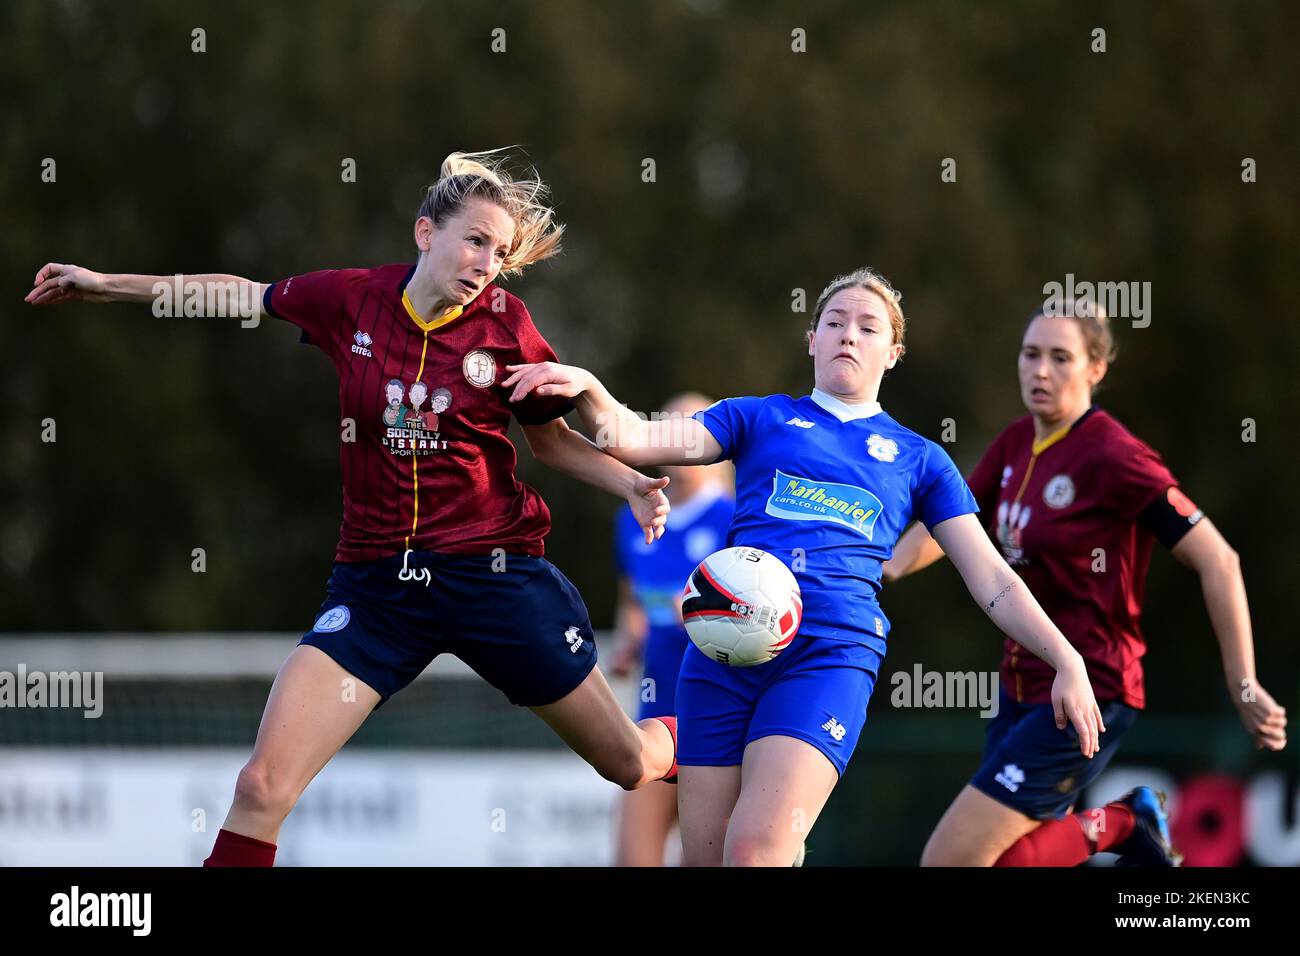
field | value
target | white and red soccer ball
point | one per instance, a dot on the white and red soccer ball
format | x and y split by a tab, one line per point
742	606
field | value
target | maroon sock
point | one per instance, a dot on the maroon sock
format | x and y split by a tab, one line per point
1055	843
1107	827
1071	840
235	849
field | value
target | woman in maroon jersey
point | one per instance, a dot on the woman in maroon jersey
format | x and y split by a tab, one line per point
440	548
1074	501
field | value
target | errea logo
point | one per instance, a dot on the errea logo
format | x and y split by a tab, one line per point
363	342
1011	777
574	639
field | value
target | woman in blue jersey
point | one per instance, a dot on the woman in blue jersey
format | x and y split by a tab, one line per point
791	724
650	620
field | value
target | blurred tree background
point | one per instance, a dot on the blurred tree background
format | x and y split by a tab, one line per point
775	171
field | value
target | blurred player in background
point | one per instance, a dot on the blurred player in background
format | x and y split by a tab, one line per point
440	550
649	615
761	748
1074	502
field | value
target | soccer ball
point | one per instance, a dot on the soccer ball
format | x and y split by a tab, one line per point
742	606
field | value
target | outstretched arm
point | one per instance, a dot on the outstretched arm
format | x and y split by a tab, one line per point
1005	598
1204	550
679	440
558	446
57	283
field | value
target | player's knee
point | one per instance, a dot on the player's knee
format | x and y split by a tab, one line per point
257	790
622	766
752	849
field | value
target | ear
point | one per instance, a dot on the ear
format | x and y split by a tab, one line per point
895	351
1097	371
423	233
811	336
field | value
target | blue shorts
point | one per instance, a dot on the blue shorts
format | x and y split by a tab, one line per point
1032	767
524	628
664	649
816	690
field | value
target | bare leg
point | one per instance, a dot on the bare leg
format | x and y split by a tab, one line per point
785	783
592	722
314	707
975	831
644	824
705	804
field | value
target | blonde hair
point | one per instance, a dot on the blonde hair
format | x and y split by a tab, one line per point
871	280
466	176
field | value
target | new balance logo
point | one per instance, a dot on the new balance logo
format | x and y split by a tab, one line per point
835	728
574	639
1011	777
801	423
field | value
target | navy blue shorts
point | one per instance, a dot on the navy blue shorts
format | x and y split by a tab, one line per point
523	628
816	690
664	649
1032	767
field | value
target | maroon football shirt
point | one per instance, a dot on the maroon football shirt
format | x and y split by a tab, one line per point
431	468
1066	519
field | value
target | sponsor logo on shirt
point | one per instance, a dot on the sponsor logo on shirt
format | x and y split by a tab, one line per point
407	429
1059	492
802	499
801	423
1012	518
882	449
363	342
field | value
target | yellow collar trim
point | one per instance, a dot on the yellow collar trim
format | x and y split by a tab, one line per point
453	313
1041	445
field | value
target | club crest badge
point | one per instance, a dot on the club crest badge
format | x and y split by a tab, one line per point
882	449
480	368
1059	492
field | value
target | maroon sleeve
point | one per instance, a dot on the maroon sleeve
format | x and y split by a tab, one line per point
535	409
986	477
312	301
1132	475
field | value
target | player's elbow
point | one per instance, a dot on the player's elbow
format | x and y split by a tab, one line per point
1227	562
544	442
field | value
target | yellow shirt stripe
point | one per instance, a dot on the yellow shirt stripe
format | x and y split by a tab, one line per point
415	459
453	313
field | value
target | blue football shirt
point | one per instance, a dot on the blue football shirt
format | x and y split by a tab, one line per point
829	488
658	571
